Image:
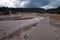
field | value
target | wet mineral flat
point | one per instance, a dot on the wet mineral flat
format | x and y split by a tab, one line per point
8	27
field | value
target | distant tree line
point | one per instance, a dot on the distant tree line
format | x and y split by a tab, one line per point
53	11
5	10
58	10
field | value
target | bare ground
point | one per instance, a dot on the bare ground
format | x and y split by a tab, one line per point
54	22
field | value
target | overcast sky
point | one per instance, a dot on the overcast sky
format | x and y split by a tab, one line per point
46	4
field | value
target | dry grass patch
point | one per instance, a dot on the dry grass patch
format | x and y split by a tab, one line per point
56	17
55	20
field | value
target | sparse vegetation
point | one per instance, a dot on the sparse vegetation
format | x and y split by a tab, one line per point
55	20
56	17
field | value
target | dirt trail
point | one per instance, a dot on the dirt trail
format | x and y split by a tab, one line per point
44	31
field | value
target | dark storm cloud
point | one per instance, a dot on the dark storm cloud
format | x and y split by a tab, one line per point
35	3
30	3
53	4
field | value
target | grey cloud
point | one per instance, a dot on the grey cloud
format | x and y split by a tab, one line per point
55	3
33	3
36	3
52	4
